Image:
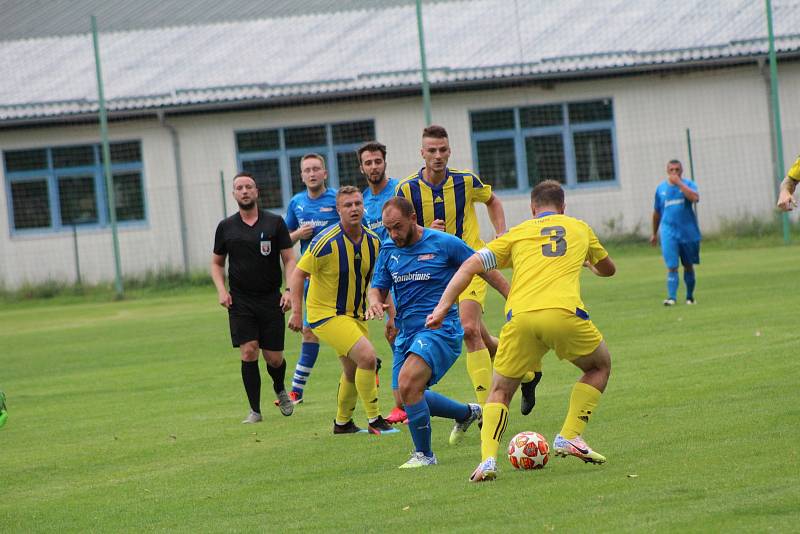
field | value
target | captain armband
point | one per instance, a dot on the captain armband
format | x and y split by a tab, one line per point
488	259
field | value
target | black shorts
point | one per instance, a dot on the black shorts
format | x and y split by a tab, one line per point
257	319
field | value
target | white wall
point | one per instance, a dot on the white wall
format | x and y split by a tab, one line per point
726	110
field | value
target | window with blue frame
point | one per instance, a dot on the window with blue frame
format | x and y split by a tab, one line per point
571	142
60	187
273	156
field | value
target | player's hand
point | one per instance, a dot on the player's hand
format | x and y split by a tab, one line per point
786	202
296	321
653	240
376	311
390	331
286	302
438	224
306	231
674	179
225	299
435	318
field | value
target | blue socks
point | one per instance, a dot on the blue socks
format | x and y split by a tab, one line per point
441	406
688	278
419	424
672	284
308	357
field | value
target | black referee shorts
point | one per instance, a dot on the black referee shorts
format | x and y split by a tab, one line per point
257	318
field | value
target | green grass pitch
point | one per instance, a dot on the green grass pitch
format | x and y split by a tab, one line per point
125	417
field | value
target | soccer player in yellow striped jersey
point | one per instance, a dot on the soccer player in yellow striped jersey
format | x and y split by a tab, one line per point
544	311
785	200
339	263
444	199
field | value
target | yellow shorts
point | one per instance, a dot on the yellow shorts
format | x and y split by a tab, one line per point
476	290
341	332
528	336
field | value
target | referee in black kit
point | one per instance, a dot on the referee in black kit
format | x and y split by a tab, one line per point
253	239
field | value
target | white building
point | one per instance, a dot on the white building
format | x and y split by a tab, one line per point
599	98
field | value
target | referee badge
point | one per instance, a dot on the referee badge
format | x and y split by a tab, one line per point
266	248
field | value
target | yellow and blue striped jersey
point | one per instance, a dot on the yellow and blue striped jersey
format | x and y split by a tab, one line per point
547	254
451	201
794	171
340	271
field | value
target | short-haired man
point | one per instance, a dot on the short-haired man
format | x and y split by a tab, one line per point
416	266
544	311
339	263
380	188
676	222
444	199
253	240
786	201
309	212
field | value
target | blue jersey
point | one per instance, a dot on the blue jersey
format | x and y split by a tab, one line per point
678	220
373	206
319	212
418	275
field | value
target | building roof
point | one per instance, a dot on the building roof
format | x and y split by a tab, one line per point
295	57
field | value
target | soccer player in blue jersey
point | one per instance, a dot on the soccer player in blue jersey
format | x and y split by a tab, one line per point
380	188
416	265
309	212
676	222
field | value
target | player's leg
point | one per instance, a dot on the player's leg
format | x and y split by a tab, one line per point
362	353
398	413
309	351
346	397
596	367
272	330
244	329
413	380
520	350
670	253
690	255
479	363
251	379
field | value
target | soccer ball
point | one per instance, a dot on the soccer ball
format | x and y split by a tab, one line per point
528	450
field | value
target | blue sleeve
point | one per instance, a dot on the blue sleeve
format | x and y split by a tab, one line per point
381	278
457	251
291	220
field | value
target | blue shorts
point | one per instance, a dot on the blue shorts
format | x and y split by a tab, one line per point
439	348
687	252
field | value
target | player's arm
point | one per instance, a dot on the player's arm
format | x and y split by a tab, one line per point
305	231
289	264
296	279
656	222
218	277
604	267
390	330
377	303
496	215
497	281
786	201
454	288
690	194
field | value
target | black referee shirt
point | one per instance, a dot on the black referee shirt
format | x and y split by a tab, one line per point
253	252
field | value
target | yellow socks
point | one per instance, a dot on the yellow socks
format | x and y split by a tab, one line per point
346	398
479	367
582	402
368	391
495	421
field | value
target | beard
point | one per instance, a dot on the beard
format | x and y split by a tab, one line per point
404	240
248	206
376	180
